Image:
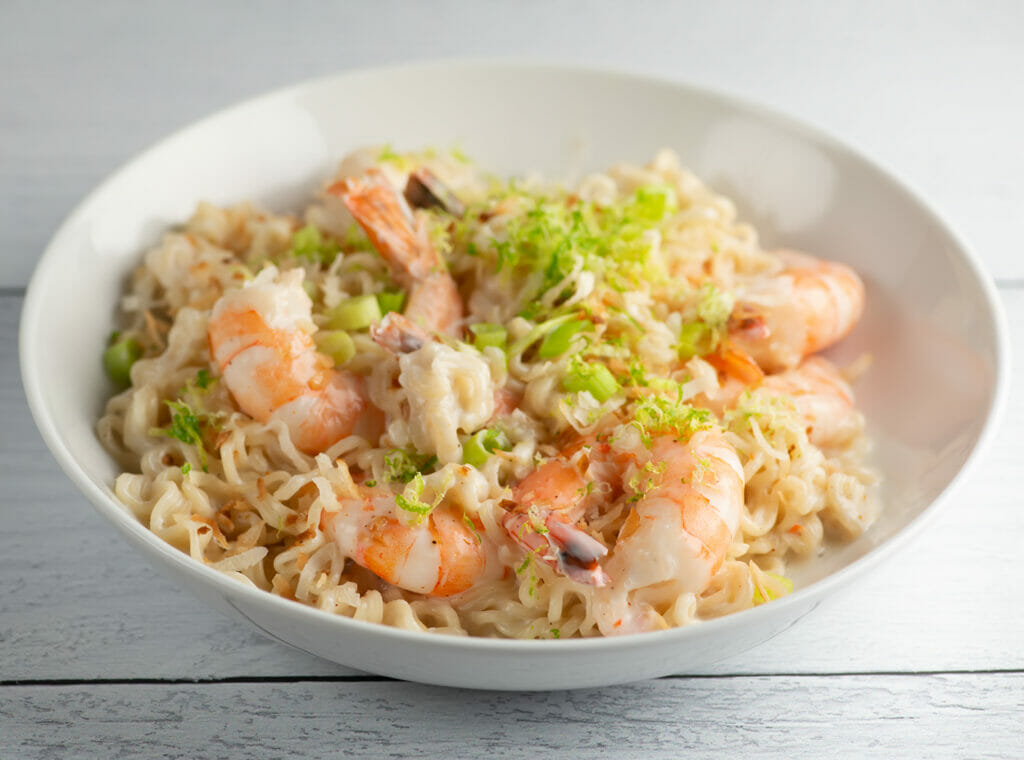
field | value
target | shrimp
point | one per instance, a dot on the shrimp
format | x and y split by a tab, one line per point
547	504
676	536
403	241
819	394
809	306
261	340
822	398
442	555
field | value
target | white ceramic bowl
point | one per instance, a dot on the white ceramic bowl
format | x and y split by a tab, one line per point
933	323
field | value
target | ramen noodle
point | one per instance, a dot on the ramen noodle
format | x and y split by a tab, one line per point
447	402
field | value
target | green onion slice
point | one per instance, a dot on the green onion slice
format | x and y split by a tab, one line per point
591	377
478	447
389	301
538	332
557	341
355	313
694	340
337	344
488	334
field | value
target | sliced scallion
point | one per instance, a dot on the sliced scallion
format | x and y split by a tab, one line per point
693	340
594	378
538	332
389	301
488	334
356	313
337	344
557	341
479	447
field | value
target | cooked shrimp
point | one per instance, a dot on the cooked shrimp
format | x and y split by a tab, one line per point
442	555
403	240
820	396
823	399
809	306
547	505
676	536
261	340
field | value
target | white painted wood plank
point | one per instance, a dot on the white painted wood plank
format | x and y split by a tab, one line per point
958	716
921	87
76	603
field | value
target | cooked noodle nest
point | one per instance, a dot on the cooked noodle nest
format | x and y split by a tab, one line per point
247	502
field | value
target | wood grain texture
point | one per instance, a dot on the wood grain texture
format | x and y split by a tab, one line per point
920	87
941	716
944	603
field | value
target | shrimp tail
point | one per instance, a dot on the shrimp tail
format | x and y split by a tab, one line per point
398	334
736	362
425	190
560	545
578	554
387	220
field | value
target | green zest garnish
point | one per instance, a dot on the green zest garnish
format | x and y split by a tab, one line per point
472	528
203	379
389	301
478	447
644	480
557	341
556	237
356	313
525	564
119	357
488	334
401	465
785	582
309	244
411	499
337	344
702	337
652	203
185	428
657	414
186	468
594	378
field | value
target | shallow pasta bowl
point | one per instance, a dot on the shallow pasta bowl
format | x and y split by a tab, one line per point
932	325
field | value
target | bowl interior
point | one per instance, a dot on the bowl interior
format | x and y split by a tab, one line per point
931	325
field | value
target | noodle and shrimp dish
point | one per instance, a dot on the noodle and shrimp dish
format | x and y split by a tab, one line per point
444	401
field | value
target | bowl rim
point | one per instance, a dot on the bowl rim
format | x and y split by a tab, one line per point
32	313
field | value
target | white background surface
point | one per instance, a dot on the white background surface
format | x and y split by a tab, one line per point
101	657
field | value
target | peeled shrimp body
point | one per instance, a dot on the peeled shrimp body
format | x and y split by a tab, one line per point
823	399
403	240
817	391
440	556
676	536
261	341
810	305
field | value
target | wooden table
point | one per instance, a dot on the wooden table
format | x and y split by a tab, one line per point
102	657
